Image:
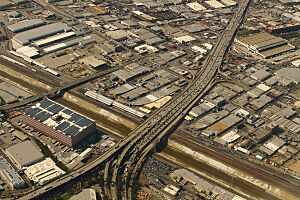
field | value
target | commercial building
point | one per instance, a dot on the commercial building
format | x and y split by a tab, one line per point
9	174
93	62
60	46
28	51
55	38
222	125
97	10
283	29
24	154
292	74
58	122
25	25
86	194
184	176
260	75
228	3
65	45
184	39
130	72
171	189
269	148
4	4
43	172
215	4
11	93
196	6
263	45
31	35
143	16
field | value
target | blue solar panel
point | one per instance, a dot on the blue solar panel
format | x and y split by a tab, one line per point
84	122
67	111
75	117
73	130
32	111
55	108
46	103
63	126
28	111
45	117
40	115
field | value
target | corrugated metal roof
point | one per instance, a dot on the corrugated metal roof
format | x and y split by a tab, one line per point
43	31
25	25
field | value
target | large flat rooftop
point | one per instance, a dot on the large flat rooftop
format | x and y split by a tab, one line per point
58	117
24	153
41	32
25	25
260	40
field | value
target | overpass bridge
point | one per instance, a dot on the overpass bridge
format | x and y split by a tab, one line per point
169	116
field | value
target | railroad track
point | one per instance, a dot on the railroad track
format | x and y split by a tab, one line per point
254	171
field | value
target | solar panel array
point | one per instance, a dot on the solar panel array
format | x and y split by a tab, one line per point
70	125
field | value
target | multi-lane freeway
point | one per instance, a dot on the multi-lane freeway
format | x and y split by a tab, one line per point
135	147
126	165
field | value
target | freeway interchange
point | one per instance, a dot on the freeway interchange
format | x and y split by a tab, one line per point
168	116
123	161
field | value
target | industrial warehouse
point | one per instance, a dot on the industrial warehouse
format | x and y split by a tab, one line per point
24	154
263	45
58	122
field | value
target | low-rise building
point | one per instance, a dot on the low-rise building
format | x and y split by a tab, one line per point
44	172
24	154
9	174
93	62
25	25
263	45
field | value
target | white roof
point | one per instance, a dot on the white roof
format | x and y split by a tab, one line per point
228	2
214	4
170	191
152	97
44	171
199	49
28	51
271	146
208	46
54	38
296	63
263	87
184	39
230	136
196	6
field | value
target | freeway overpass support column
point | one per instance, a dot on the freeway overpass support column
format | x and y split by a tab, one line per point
161	144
